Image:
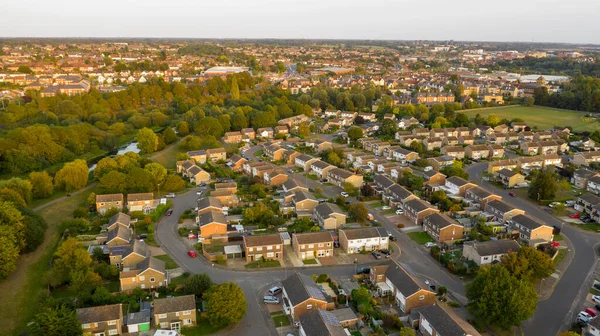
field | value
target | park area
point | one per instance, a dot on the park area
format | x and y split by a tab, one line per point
542	117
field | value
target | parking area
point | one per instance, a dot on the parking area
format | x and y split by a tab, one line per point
590	308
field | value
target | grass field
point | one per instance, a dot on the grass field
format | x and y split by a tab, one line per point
169	262
168	156
542	117
420	237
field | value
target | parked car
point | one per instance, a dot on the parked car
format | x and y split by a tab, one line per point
199	192
427	282
574	215
393	238
275	290
430	244
585	315
336	244
192	235
142	236
386	207
591	312
203	184
596	298
344	194
387	253
324	180
376	254
170	195
192	254
553	204
554	244
169	212
512	194
597	285
271	300
290	171
322	200
364	270
597	307
432	287
399	212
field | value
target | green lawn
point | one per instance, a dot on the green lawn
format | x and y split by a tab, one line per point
420	237
589	227
309	262
180	279
167	157
558	237
281	320
594	291
263	264
203	328
562	253
169	262
312	176
377	204
542	117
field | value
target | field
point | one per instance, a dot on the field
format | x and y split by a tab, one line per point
542	117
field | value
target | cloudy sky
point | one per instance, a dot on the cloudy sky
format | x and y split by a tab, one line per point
480	20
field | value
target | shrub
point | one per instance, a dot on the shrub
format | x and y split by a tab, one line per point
400	226
221	259
322	278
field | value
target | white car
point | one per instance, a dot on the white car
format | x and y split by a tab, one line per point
427	282
429	244
399	212
553	204
345	194
584	315
386	207
596	298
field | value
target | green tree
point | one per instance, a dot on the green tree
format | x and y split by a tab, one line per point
361	295
24	69
498	298
72	176
388	127
455	169
303	129
407	331
333	158
56	321
23	187
173	183
543	186
235	90
105	166
355	133
492	120
11	237
34	228
113	182
540	264
417	146
139	180
158	173
101	296
358	212
225	304
350	189
197	284
147	140
528	101
169	135
183	128
209	126
41	182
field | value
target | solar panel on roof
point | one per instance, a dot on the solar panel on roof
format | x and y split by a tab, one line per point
315	292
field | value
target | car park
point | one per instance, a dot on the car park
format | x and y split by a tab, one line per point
399	212
376	254
192	254
275	290
269	299
344	194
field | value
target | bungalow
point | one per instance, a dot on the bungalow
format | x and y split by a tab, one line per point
101	320
340	176
501	210
267	247
530	229
479	196
408	293
212	223
416	209
510	178
175	313
301	295
109	201
364	239
312	245
457	185
329	216
442	228
483	253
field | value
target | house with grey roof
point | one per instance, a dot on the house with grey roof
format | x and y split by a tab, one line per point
321	323
483	253
530	229
435	321
301	295
408	293
106	320
442	228
364	239
329	216
175	313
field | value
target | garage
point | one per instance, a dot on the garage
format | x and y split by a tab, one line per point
233	251
138	322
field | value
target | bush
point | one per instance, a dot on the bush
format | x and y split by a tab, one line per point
221	259
81	212
454	304
400	226
322	278
198	247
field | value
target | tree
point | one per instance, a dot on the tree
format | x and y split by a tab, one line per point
105	166
169	135
173	183
350	189
101	296
235	90
41	184
407	331
34	228
492	120
113	182
455	169
417	146
360	295
158	173
540	264
544	185
209	126
334	159
56	321
147	140
72	176
11	237
355	133
24	69
498	298
183	128
225	304
358	212
197	284
388	127
529	101
23	187
303	129
139	180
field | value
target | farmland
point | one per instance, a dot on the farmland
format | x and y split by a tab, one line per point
542	117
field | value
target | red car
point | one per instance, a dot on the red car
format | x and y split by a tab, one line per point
555	244
575	215
192	254
591	311
512	194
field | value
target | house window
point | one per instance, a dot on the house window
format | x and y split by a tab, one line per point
187	312
187	321
311	246
102	204
152	279
142	278
176	313
249	249
421	297
113	322
309	306
259	248
162	316
113	332
85	326
164	324
270	247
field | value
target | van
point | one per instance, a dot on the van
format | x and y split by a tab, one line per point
271	300
274	291
170	195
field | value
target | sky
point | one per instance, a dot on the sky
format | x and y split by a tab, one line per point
572	21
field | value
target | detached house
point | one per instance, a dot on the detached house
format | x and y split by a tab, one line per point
175	313
101	320
364	239
148	274
212	223
483	253
329	216
312	245
510	178
301	295
141	202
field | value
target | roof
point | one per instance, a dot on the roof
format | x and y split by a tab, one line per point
417	204
138	318
207	202
493	247
262	240
174	304
139	197
528	221
399	191
194	170
500	205
300	287
313	237
109	198
507	172
119	218
100	313
440	221
120	232
321	164
327	209
479	192
342	173
301	195
457	181
344	314
589	198
211	217
384	181
442	322
363	233
402	280
138	247
321	323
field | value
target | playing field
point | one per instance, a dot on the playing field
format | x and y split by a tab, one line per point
543	118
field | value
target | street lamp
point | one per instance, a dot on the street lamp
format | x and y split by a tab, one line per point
355	265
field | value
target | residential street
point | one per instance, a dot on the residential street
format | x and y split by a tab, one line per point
559	311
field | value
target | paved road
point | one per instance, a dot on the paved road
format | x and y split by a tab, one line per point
559	311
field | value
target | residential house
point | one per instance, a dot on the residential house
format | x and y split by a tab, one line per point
433	177
212	223
119	236
274	152
477	152
526	136
495	166
275	178
450	141
304	201
148	274
184	165
496	151
442	228
585	158
269	247
319	322
456	152
197	175
408	293
457	185
436	321
364	239
305	161
593	185
518	126
101	320
236	162
301	295
580	178
321	168
292	185
312	245
510	178
141	202
340	176
281	130
318	145
432	143
265	132
530	229
249	133
484	253
416	209
109	201
479	196
175	313
329	216
208	204
585	202
232	137
501	210
466	140
397	196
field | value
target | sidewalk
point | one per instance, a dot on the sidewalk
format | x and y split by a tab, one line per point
545	288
